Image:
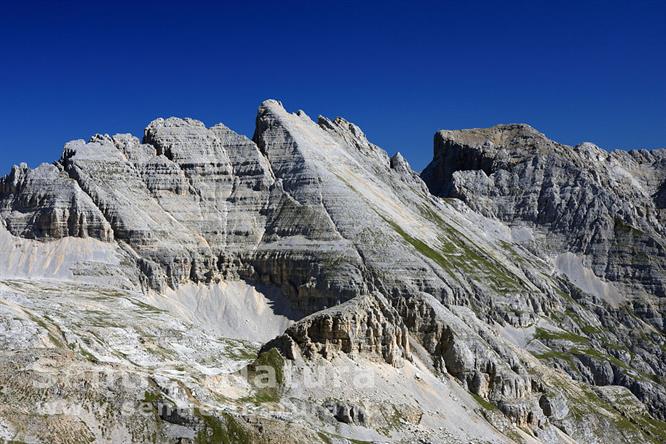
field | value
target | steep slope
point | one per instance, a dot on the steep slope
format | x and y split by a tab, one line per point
604	206
45	203
596	214
318	237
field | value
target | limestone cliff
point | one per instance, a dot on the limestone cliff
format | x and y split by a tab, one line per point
509	266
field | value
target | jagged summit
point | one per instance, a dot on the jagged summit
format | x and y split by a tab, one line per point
583	196
512	291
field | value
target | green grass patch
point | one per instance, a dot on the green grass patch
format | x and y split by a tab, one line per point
273	359
89	356
590	330
569	355
239	350
603	356
515	436
221	431
459	254
393	419
547	335
324	438
54	333
631	425
615	346
151	397
483	403
511	250
422	248
555	355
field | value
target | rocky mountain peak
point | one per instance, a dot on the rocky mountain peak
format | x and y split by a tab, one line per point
512	290
584	197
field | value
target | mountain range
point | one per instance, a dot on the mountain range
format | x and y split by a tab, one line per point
305	286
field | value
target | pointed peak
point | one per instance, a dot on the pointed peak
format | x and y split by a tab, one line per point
17	173
343	127
302	114
271	105
275	108
591	150
399	163
100	138
587	146
398	158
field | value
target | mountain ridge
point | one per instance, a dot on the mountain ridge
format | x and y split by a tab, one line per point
451	274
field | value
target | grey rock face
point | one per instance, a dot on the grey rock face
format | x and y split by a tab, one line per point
554	406
348	414
366	326
605	206
384	272
45	203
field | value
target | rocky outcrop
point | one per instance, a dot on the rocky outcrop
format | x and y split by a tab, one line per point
603	206
45	203
366	326
348	414
598	212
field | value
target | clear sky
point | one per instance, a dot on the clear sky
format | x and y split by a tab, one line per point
578	71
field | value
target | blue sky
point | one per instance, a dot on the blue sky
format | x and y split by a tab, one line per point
578	71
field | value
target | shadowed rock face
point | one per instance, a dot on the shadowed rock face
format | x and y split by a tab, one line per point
547	262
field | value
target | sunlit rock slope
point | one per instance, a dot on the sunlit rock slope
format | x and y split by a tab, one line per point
509	293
